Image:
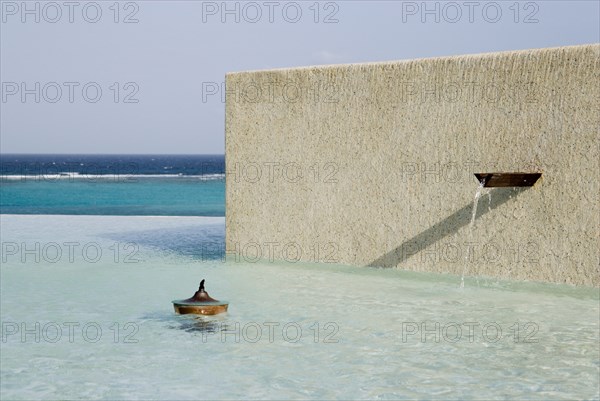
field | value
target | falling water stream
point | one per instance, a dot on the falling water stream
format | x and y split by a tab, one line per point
471	226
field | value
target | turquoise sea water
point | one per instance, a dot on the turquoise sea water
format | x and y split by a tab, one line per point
150	185
172	196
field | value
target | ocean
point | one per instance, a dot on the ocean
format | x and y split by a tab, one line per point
118	185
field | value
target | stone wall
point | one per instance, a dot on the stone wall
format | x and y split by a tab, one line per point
372	164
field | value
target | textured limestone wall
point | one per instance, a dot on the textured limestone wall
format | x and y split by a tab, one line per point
372	164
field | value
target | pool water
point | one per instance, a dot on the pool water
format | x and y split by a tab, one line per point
79	328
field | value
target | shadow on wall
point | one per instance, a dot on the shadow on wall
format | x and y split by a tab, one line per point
450	225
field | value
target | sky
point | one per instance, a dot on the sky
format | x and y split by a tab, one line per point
144	77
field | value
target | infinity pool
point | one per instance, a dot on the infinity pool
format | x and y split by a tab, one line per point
79	328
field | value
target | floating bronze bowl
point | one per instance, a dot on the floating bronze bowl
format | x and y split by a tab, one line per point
200	304
508	179
211	308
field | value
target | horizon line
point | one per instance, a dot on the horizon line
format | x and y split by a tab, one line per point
112	154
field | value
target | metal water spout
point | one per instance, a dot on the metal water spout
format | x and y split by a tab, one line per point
496	180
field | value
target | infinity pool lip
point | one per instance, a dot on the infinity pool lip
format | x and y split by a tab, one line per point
184	307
